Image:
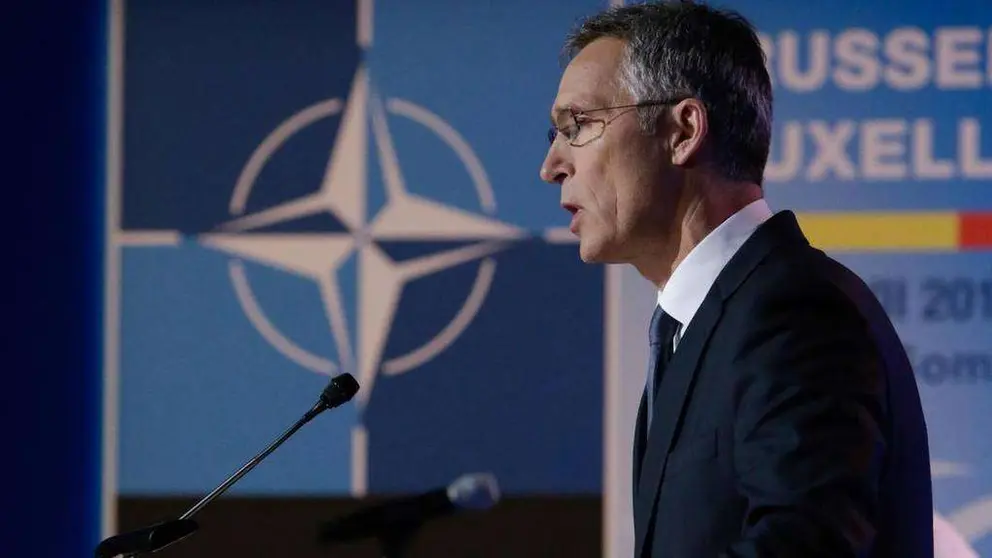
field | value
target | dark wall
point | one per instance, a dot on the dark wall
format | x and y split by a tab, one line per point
52	122
281	527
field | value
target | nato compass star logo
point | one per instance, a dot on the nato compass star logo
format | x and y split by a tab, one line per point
967	525
343	193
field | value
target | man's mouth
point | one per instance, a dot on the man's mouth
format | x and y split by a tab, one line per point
576	211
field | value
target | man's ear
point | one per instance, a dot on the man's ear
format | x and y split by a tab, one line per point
689	128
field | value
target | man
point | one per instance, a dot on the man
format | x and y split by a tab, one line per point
782	418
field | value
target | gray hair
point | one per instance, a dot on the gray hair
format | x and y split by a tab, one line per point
687	49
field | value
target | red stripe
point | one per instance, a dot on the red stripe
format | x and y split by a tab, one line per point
976	230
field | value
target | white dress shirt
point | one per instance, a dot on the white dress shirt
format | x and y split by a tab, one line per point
692	279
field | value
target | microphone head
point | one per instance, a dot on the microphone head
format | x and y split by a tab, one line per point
339	391
475	491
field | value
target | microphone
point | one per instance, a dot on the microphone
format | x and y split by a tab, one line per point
155	537
396	520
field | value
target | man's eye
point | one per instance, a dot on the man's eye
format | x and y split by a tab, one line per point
580	124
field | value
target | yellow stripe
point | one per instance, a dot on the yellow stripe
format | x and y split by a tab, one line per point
905	231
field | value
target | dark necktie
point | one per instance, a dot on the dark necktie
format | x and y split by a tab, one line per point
661	338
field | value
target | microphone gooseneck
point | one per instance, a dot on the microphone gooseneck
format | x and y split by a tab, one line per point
149	539
339	391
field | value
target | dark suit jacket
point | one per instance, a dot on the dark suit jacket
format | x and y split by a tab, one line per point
788	423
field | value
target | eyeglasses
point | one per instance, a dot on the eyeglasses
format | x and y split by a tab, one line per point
585	130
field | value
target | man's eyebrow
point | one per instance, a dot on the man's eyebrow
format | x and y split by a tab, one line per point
558	110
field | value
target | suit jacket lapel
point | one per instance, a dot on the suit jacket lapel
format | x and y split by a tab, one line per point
678	379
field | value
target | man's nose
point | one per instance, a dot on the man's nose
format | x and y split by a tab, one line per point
554	169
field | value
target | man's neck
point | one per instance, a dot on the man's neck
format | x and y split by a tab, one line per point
705	211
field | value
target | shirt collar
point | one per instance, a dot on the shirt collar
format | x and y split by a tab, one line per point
692	279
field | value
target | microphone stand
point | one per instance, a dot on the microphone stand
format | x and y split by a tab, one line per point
166	533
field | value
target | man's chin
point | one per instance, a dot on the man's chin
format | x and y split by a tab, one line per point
596	254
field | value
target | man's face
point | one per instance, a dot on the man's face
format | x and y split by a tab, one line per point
619	186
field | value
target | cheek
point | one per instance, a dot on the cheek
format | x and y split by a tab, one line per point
599	183
640	176
625	188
